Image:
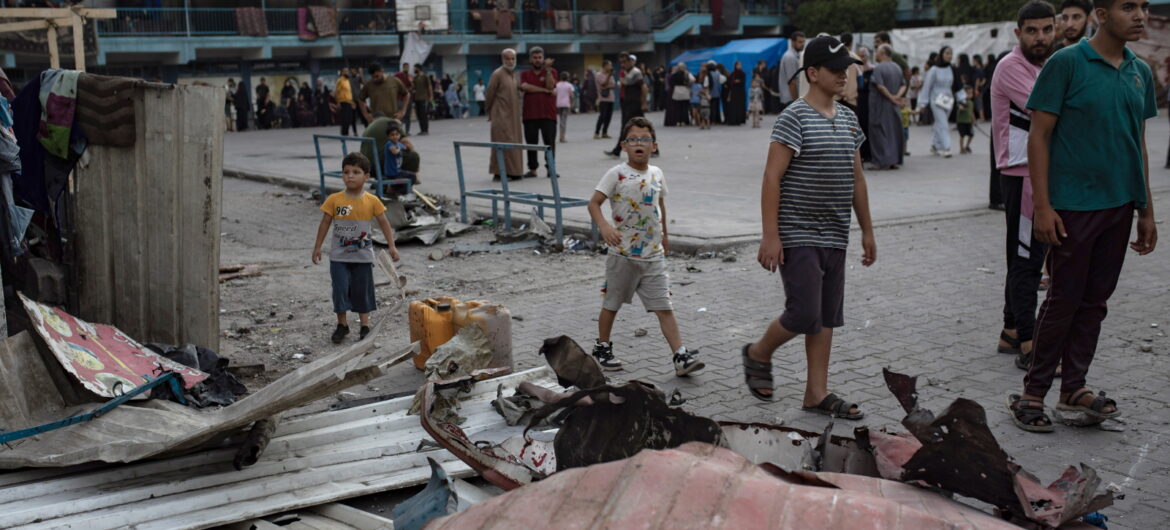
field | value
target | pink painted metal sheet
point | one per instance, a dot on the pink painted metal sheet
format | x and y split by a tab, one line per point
105	360
702	486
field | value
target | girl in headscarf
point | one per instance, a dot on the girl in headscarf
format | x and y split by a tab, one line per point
938	97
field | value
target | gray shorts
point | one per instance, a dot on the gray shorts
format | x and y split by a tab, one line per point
814	289
625	276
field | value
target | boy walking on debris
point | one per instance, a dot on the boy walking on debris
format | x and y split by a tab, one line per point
812	177
351	253
638	242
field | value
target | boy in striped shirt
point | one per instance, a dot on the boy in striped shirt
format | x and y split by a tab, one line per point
812	178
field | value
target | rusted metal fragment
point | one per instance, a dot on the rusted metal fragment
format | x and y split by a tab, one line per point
891	451
509	464
793	449
620	422
572	365
959	454
699	485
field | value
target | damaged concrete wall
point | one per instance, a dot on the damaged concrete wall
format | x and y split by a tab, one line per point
148	220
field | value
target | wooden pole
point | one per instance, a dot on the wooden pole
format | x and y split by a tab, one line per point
78	43
54	55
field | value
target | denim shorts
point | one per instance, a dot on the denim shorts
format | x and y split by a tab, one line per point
353	287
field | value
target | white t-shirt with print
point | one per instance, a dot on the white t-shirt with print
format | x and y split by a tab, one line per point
633	199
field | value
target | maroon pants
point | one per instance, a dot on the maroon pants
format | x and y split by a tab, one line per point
1084	269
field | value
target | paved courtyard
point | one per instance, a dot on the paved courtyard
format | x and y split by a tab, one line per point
714	175
930	306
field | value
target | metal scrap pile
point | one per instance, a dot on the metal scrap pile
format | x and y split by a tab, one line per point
604	454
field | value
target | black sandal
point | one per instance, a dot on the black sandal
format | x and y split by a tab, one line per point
1025	413
1013	344
757	375
837	408
1094	409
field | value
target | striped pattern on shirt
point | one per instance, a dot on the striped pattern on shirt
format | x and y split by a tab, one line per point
816	193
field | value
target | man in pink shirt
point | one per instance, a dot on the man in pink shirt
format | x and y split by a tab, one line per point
1010	87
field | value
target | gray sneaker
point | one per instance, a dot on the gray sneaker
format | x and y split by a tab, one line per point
603	352
685	362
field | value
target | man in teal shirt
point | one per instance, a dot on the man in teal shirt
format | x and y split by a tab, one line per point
1090	170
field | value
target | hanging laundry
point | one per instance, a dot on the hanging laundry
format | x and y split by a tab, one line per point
58	104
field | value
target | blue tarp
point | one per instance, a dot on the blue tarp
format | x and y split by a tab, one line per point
694	58
747	51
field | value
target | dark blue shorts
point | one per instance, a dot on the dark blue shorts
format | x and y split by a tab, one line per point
814	289
353	287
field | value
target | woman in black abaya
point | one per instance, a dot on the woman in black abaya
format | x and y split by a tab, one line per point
736	96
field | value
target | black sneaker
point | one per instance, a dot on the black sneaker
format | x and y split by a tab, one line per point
603	352
340	333
685	363
364	331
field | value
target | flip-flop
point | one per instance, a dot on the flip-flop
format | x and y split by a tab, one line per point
836	407
1093	409
1024	415
757	375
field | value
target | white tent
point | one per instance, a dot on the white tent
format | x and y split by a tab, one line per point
973	39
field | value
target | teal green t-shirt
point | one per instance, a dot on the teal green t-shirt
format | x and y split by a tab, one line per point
1096	148
966	112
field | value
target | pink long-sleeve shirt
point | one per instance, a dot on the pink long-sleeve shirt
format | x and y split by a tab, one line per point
1010	118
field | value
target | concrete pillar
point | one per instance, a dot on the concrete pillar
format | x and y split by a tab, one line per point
314	72
246	81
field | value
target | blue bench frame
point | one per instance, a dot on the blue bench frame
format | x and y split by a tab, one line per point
555	201
379	181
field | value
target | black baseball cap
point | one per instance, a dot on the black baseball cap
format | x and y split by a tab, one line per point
828	52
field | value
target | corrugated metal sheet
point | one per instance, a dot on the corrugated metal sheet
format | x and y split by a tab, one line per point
311	460
147	220
157	427
701	486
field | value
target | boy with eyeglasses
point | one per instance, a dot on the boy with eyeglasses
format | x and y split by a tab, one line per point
638	243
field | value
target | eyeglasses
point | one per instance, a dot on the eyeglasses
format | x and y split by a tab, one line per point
637	141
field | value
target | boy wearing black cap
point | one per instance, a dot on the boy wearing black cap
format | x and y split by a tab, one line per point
812	178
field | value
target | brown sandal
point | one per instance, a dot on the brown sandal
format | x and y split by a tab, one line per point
1096	407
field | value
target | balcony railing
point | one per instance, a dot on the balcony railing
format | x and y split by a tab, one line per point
196	21
161	22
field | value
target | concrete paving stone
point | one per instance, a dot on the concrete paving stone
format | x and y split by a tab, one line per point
925	281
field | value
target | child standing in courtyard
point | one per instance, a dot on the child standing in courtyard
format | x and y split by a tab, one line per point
964	121
392	158
352	213
564	92
704	108
638	242
812	177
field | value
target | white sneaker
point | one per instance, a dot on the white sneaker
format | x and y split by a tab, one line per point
933	150
947	153
685	362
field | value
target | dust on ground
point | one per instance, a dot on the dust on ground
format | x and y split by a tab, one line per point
283	318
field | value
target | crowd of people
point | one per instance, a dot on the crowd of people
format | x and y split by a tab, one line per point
338	105
1068	142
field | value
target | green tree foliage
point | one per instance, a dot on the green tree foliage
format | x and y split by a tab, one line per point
955	12
840	16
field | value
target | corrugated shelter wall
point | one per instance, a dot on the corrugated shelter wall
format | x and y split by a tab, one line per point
147	218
